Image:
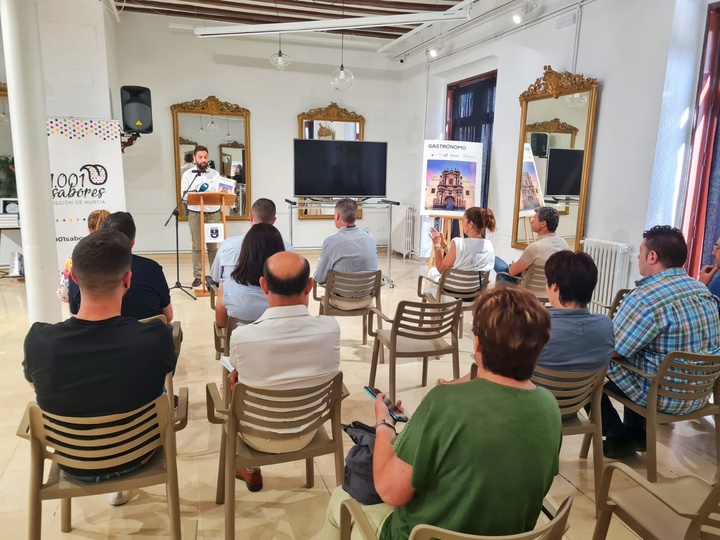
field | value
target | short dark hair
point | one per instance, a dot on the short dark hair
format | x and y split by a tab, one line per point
122	222
261	241
669	244
199	148
348	210
287	287
100	260
189	158
512	328
263	211
575	274
550	216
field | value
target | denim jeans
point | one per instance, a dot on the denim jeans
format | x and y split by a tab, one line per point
109	476
502	266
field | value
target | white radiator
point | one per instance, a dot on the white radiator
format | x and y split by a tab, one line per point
613	263
403	232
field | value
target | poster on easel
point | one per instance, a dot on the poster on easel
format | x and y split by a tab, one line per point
86	174
531	196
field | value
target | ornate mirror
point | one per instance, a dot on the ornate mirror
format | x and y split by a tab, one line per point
333	123
224	128
558	123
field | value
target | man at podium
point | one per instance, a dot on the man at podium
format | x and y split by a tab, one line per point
200	179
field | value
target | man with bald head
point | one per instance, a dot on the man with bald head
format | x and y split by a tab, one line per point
286	348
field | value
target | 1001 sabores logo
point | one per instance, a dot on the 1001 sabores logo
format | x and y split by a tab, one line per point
86	183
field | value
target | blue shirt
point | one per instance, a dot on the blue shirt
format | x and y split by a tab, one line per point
668	311
245	302
351	250
714	285
579	340
227	257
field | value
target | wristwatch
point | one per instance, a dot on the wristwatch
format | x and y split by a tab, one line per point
387	423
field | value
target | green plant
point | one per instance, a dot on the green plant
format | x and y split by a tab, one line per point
8	188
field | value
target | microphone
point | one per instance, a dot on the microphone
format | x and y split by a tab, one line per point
196	171
203	187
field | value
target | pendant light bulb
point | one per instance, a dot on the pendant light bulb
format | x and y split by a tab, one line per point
280	60
342	79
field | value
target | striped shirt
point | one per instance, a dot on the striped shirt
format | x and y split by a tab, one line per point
245	302
668	311
351	250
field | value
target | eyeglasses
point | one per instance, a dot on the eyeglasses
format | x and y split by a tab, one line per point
715	247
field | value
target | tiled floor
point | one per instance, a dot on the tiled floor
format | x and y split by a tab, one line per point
284	509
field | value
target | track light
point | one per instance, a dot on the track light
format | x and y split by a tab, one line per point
522	14
434	51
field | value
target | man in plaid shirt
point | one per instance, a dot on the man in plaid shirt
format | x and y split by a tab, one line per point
668	311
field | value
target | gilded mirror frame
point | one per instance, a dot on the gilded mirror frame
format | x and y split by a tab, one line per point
553	85
212	106
331	113
3	89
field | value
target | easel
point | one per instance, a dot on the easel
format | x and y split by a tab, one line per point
447	233
529	234
212	198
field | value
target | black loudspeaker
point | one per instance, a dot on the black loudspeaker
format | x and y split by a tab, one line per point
539	144
136	109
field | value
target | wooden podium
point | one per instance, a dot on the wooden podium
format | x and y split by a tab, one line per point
203	199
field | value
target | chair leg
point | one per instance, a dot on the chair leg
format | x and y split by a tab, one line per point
65	515
393	362
456	363
220	489
462	320
229	472
587	439
339	465
374	361
717	439
35	517
172	491
225	387
598	461
424	371
602	525
365	333
309	473
651	456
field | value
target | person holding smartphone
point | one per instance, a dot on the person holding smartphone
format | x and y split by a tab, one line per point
478	457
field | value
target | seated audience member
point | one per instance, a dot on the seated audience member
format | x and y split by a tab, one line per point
240	296
708	274
94	220
667	311
285	348
464	445
544	223
148	294
350	250
471	253
579	340
99	362
262	211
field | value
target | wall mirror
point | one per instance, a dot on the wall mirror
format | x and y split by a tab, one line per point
8	187
329	123
557	121
224	128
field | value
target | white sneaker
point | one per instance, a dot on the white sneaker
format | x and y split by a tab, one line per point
119	497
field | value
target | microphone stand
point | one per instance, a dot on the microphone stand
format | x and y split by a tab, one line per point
176	213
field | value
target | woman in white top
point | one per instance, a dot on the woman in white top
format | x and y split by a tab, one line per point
471	253
240	294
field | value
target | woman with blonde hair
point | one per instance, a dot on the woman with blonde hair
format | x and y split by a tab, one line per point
94	220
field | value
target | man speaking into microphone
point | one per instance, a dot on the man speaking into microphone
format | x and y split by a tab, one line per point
200	179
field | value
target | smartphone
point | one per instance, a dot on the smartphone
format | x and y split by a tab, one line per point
392	408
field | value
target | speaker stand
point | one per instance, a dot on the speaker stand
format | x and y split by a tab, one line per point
178	285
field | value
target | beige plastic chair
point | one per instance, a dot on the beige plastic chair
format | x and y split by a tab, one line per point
533	279
682	376
180	413
574	390
350	295
350	511
612	309
307	407
70	441
221	338
683	508
419	330
465	285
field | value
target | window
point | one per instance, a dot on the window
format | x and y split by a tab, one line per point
432	190
470	116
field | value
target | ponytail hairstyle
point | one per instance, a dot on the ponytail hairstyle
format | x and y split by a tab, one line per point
482	218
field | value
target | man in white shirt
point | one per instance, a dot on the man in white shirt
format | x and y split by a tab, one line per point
200	179
285	348
351	250
262	211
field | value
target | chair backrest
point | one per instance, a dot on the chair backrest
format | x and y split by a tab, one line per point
534	280
102	442
617	300
358	288
686	377
419	320
554	530
232	324
463	284
572	389
269	413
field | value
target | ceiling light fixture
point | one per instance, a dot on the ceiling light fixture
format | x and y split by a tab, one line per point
228	137
522	14
330	24
201	131
434	51
280	60
212	125
342	79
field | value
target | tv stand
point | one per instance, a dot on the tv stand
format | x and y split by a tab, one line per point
328	203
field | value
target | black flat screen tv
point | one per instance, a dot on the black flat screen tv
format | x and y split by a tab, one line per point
340	168
564	172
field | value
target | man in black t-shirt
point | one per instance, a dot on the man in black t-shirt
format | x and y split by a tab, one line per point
149	294
99	362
